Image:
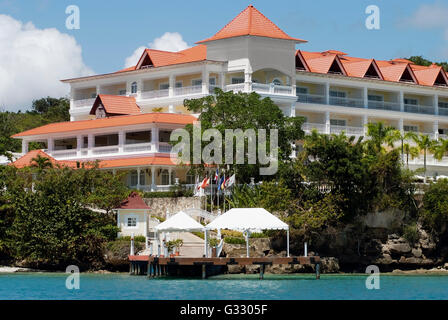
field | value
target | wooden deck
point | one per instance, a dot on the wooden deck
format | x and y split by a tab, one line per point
159	266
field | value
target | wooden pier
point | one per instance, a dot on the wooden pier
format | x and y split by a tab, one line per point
160	266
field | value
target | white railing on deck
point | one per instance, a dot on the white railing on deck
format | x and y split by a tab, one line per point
308	127
419	109
154	94
105	150
349	131
182	91
235	87
64	153
83	103
137	147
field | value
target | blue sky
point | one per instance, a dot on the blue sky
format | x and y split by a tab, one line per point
112	30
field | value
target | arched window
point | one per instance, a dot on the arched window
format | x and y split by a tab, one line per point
134	87
277	82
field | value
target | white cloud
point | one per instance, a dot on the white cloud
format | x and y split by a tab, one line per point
33	61
429	16
169	41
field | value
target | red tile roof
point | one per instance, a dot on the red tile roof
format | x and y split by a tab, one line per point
116	105
118	121
27	160
251	22
134	201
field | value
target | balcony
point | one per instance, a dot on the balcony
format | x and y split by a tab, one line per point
384	105
349	131
83	103
419	109
308	127
312	98
347	102
183	91
154	94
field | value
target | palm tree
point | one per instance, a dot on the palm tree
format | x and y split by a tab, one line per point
410	150
440	148
398	135
41	162
378	134
424	143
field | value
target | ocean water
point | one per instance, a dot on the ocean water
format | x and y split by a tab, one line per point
233	287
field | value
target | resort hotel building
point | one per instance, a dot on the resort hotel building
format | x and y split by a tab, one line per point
124	118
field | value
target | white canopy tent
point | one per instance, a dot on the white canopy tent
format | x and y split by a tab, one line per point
249	220
180	222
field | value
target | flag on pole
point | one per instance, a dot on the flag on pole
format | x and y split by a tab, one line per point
216	176
197	188
223	178
230	181
205	183
224	183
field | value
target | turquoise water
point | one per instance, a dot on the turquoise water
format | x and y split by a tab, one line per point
235	287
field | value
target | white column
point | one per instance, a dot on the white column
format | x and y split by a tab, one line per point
436	104
139	88
25	146
327	93
129	87
72	98
327	122
401	98
138	178
365	121
98	89
222	80
153	179
435	128
172	84
205	81
171	108
90	144
293	110
400	125
247	81
155	139
121	141
79	143
366	97
50	144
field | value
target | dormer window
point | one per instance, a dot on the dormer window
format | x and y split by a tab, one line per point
134	87
100	112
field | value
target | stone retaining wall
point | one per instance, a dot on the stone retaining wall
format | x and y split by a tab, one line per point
160	206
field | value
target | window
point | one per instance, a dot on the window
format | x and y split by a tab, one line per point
106	140
237	80
93	95
301	90
277	82
190	178
164	86
165	178
134	87
134	178
138	137
122	92
337	94
212	81
410	101
409	128
131	222
338	122
178	84
443	105
375	97
196	82
65	144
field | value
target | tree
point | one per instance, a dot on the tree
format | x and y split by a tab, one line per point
53	108
397	135
435	206
440	149
227	110
410	151
424	143
378	134
41	163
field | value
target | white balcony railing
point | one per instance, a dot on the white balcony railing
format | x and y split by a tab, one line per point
235	87
183	91
419	109
71	153
165	147
384	105
347	102
261	87
349	131
311	98
105	150
138	147
287	90
83	103
308	127
154	94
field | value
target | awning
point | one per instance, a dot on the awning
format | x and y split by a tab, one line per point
180	222
247	219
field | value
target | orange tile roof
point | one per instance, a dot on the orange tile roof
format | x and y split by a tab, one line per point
118	121
251	22
132	162
427	75
319	62
116	105
27	160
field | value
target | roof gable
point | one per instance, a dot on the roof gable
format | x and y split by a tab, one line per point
115	105
134	201
251	22
27	160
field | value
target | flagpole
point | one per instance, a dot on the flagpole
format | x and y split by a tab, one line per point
211	195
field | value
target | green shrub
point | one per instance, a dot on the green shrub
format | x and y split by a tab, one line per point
410	233
198	234
175	192
232	240
136	238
